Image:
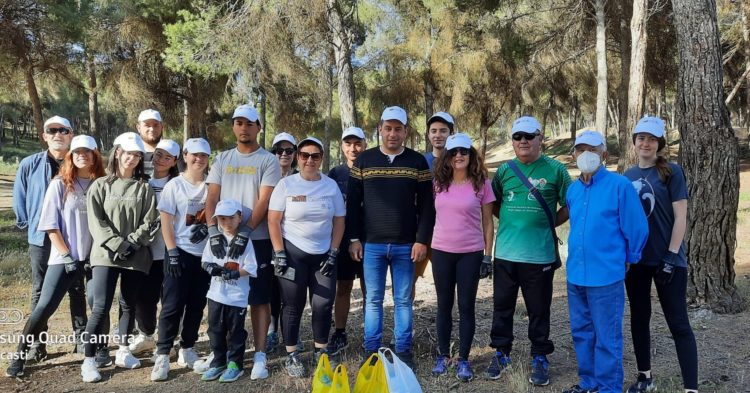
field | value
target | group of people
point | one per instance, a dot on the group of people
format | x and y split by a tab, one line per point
269	230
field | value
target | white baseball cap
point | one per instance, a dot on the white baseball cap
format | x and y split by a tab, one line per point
197	145
169	146
353	131
650	125
149	114
527	124
458	140
443	117
309	140
247	111
122	137
589	137
82	141
227	207
284	136
58	120
394	113
130	141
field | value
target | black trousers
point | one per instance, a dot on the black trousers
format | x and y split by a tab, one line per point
39	257
56	284
293	295
226	332
148	299
674	304
535	281
183	299
451	271
103	284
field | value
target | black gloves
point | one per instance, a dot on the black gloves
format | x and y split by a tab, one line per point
485	269
279	261
666	270
198	233
87	269
230	274
71	265
125	250
213	269
239	243
217	242
329	264
173	266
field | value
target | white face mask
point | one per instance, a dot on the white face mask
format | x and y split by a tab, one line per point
588	162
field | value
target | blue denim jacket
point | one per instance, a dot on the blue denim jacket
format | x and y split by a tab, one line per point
607	229
32	179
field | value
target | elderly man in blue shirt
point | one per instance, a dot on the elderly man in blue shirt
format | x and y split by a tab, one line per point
608	230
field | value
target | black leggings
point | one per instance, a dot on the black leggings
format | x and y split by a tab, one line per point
451	271
56	284
102	286
183	299
673	303
148	298
322	290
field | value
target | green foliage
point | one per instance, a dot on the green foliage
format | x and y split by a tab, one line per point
187	39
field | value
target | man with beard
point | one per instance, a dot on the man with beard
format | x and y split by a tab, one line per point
150	129
248	174
32	179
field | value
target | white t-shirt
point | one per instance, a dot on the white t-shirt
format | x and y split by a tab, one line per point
157	246
186	202
232	292
68	214
309	208
241	176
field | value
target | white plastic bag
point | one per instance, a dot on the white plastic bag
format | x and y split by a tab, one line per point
398	375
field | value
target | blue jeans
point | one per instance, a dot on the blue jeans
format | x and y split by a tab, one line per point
596	326
377	258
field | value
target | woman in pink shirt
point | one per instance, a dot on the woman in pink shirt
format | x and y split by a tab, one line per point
463	204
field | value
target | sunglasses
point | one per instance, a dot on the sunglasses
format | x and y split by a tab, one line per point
289	151
53	131
314	156
523	135
459	150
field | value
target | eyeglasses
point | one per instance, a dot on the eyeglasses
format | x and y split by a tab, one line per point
307	156
459	150
53	131
524	135
289	151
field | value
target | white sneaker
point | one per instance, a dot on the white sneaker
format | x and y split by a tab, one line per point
202	365
160	372
259	366
142	343
125	359
89	372
187	357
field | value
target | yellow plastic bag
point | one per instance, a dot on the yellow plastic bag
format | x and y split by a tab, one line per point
323	377
340	380
371	377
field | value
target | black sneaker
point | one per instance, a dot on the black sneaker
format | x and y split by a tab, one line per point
36	354
498	365
338	343
642	385
408	358
102	358
579	389
539	371
15	370
294	366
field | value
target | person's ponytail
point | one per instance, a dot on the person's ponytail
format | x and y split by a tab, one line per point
662	163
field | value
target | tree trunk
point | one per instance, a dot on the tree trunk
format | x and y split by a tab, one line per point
636	82
574	118
429	103
746	38
263	119
623	133
36	105
483	131
708	148
329	117
601	67
185	120
93	98
341	38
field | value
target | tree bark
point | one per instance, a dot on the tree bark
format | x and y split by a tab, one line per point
329	117
93	98
601	67
623	133
709	155
36	104
746	38
263	119
341	37
574	118
636	81
429	102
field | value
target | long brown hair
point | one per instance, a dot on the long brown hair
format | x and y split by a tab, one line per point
113	166
662	158
69	172
442	169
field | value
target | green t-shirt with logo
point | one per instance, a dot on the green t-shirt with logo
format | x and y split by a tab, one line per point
523	234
